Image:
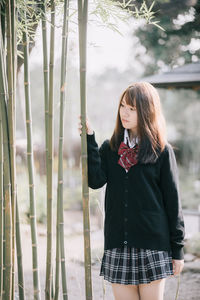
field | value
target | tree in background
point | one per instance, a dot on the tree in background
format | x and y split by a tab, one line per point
179	43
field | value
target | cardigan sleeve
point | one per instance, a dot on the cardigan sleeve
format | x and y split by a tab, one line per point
171	196
97	170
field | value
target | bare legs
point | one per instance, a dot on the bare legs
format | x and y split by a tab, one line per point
150	291
125	292
153	290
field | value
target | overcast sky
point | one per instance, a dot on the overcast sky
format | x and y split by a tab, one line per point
105	48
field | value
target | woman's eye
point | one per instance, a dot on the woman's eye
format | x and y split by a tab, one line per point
133	108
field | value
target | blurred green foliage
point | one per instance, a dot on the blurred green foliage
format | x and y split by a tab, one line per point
179	43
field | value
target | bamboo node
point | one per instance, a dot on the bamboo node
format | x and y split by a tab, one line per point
60	181
62	259
28	121
63	87
28	153
61	223
34	245
31	217
26	83
31	185
82	69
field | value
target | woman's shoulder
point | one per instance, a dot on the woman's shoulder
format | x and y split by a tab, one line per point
105	146
168	152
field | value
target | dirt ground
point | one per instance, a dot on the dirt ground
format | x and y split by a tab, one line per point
189	281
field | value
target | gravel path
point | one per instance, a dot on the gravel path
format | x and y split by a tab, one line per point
189	280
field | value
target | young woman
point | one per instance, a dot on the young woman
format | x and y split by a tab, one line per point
143	226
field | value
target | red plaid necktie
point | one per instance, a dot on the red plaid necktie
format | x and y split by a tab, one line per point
128	155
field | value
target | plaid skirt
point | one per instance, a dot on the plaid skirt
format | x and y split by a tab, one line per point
129	265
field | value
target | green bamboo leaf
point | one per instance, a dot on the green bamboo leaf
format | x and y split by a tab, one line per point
151	6
155	23
143	6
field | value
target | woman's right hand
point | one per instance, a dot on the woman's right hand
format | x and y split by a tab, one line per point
89	129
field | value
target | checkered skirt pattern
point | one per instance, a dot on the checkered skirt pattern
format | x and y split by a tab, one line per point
129	265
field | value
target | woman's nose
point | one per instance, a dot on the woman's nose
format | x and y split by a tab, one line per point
126	112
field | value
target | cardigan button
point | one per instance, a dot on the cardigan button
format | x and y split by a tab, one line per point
125	242
126	205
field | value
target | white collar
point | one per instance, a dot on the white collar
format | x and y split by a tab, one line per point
127	141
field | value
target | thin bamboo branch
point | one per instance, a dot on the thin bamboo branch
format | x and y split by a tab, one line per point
36	282
50	156
61	137
82	20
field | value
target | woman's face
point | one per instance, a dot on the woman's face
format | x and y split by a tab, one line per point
128	115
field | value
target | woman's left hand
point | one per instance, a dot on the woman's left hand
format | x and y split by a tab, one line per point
178	265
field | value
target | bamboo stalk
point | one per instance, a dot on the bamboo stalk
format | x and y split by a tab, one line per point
36	282
61	136
2	16
48	284
2	99
45	74
82	20
12	122
1	187
7	280
8	205
7	275
50	157
1	210
57	275
46	104
19	256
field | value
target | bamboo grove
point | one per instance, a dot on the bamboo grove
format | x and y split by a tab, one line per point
18	21
12	11
10	239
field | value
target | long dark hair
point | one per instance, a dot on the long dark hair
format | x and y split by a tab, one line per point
151	127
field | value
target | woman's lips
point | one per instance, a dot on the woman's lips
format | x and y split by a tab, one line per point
124	121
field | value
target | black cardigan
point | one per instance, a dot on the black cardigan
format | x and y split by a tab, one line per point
142	207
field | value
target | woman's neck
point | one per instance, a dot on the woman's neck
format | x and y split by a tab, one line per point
132	134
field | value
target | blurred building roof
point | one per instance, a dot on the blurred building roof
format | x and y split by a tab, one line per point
187	76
